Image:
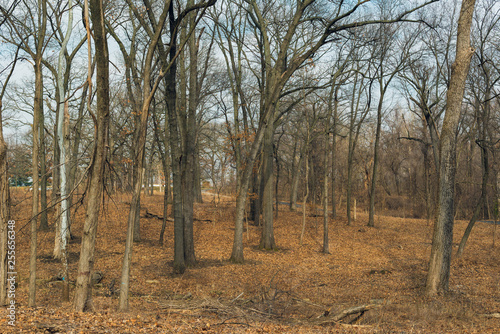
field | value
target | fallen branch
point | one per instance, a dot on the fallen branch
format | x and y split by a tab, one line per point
308	303
359	310
152	215
229	309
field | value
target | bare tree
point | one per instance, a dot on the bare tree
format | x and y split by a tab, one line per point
439	266
38	111
387	66
83	289
282	64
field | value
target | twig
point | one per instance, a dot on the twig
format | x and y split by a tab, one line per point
235	299
231	323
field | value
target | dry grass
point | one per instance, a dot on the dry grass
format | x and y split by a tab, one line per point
274	291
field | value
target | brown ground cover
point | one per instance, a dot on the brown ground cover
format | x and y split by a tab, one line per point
289	290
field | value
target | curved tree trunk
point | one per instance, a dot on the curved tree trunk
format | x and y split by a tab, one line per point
439	265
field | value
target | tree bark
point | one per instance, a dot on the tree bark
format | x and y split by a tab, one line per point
44	222
296	162
175	149
237	252
267	238
189	160
326	215
62	136
371	214
334	150
306	185
439	266
38	110
162	137
257	191
197	174
83	289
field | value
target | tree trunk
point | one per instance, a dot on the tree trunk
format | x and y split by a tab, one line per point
83	289
427	175
349	182
237	252
296	162
306	186
258	191
127	256
334	150
371	214
56	182
5	223
197	175
175	150
133	223
267	239
350	152
304	203
189	140
146	175
483	122
166	173
354	130
4	213
62	136
44	223
77	130
326	247
137	176
439	266
36	184
65	221
165	204
276	187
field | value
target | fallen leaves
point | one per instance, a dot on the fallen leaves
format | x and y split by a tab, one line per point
283	291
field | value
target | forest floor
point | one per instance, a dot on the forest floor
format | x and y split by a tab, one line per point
294	289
